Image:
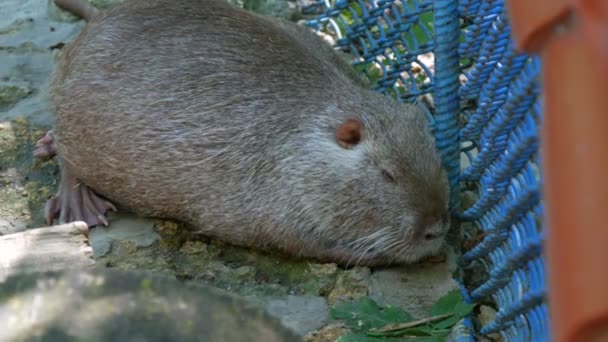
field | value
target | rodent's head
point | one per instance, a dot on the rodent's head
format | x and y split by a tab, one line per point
385	190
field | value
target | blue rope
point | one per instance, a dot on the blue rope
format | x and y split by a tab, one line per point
447	102
522	144
522	95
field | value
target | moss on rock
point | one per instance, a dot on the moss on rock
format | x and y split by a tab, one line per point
11	94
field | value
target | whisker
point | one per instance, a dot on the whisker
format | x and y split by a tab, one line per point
378	245
361	243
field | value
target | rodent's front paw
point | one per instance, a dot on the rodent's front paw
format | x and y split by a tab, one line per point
45	147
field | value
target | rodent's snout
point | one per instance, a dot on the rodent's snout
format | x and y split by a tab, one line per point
436	230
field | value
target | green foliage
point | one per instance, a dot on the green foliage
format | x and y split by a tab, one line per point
364	314
371	322
452	302
419	33
425	22
422	31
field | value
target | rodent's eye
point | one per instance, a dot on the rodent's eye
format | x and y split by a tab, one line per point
388	176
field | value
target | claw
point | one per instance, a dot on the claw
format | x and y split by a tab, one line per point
45	147
77	202
102	219
51	209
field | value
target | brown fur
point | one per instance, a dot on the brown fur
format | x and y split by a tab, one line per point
198	111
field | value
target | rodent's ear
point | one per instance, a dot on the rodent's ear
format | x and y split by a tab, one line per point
349	133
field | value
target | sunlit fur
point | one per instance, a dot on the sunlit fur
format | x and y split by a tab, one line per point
197	111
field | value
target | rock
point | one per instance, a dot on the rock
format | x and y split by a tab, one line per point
6	226
467	158
123	227
10	95
104	305
486	315
16	200
245	271
302	314
194	247
45	249
320	270
350	284
26	38
415	288
329	333
468	199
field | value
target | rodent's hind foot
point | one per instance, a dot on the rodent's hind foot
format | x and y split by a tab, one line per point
77	202
45	147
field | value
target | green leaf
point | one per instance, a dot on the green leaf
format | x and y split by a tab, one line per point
421	326
453	303
418	331
353	337
447	303
462	309
364	314
422	331
447	323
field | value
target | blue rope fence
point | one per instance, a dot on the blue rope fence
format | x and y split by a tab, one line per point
485	111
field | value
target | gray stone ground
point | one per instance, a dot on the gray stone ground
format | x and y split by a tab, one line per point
299	292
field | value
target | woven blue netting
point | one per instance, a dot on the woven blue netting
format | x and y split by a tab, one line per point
457	60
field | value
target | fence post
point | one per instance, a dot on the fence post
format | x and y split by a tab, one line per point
570	37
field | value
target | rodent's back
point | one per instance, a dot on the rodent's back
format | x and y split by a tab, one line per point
205	42
152	53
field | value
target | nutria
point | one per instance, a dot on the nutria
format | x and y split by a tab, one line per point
249	128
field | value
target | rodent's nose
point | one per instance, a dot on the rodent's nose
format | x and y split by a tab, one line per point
432	236
435	231
432	227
